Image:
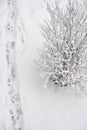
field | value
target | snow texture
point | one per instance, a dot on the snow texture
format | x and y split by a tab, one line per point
44	109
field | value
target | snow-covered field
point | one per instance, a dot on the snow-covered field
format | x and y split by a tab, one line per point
44	109
48	109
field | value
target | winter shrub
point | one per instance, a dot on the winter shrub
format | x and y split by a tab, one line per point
65	34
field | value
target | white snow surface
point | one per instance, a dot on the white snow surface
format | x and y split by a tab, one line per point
50	109
44	109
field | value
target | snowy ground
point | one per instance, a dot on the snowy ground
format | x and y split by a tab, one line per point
46	109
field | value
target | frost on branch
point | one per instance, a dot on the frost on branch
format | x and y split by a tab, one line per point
65	34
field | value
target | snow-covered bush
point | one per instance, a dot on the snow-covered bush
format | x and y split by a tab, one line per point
65	33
